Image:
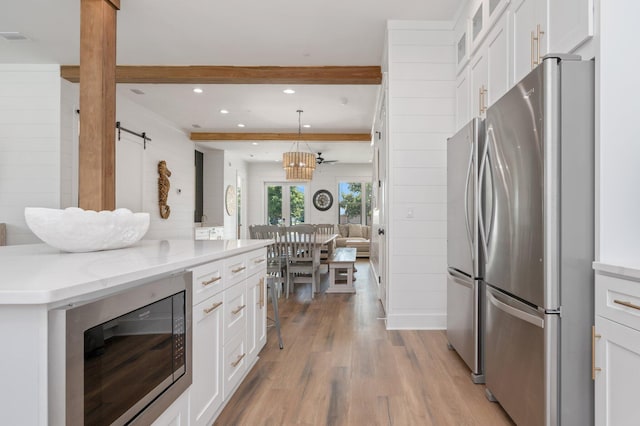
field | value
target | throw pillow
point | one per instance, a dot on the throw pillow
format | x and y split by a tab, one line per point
355	230
343	230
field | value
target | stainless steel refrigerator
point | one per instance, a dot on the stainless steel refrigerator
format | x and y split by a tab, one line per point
464	277
537	231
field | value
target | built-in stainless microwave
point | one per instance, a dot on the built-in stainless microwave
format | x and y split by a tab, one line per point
128	356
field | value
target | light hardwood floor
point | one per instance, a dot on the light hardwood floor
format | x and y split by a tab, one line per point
339	366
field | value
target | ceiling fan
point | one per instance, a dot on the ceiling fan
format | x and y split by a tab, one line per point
320	159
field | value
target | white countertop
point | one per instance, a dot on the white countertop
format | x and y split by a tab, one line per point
630	272
40	274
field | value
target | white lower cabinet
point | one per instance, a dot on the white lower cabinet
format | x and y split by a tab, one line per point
616	362
177	414
206	389
257	315
229	329
616	387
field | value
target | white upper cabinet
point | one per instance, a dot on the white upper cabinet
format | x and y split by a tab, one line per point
529	35
570	24
498	42
463	102
489	68
497	52
478	79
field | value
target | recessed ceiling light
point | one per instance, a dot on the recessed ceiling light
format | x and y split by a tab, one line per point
306	125
254	143
240	125
289	91
224	111
197	90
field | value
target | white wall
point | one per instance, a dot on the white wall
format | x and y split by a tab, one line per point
38	145
29	144
325	177
234	167
421	116
172	145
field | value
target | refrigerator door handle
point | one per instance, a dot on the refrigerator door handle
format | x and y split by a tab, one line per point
491	186
510	310
460	277
466	202
483	238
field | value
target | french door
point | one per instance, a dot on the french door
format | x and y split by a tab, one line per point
285	203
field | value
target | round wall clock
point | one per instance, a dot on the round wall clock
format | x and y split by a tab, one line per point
322	200
230	200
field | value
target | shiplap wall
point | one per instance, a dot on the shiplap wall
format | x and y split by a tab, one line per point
29	144
325	177
421	93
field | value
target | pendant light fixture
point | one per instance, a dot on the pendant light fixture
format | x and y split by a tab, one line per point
298	165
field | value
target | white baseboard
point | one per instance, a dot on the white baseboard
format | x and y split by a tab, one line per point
417	322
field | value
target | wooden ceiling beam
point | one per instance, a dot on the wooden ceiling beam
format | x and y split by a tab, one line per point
306	137
157	74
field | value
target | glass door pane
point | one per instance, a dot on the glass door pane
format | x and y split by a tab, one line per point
350	202
285	203
274	204
296	204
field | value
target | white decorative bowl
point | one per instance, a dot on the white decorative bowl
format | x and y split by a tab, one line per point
77	230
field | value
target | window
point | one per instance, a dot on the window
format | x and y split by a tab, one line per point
285	204
350	200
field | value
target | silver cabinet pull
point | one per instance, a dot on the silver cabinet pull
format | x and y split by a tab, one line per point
242	268
212	308
627	304
238	309
237	361
259	260
211	281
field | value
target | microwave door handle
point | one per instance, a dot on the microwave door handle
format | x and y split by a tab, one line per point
483	239
466	202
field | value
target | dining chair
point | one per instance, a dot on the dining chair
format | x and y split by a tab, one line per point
328	229
276	255
303	260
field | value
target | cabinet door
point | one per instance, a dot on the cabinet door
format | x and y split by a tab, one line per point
570	24
497	53
527	15
463	104
177	414
616	384
206	389
256	315
478	74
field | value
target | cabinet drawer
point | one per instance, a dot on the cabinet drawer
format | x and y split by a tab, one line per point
235	270
235	311
207	281
618	299
256	261
235	364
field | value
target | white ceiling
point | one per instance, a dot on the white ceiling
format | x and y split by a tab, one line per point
235	32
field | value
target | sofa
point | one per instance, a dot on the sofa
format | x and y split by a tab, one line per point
356	236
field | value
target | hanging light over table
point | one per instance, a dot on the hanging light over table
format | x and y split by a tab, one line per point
298	165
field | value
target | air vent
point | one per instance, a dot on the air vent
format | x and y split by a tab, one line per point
137	91
13	36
